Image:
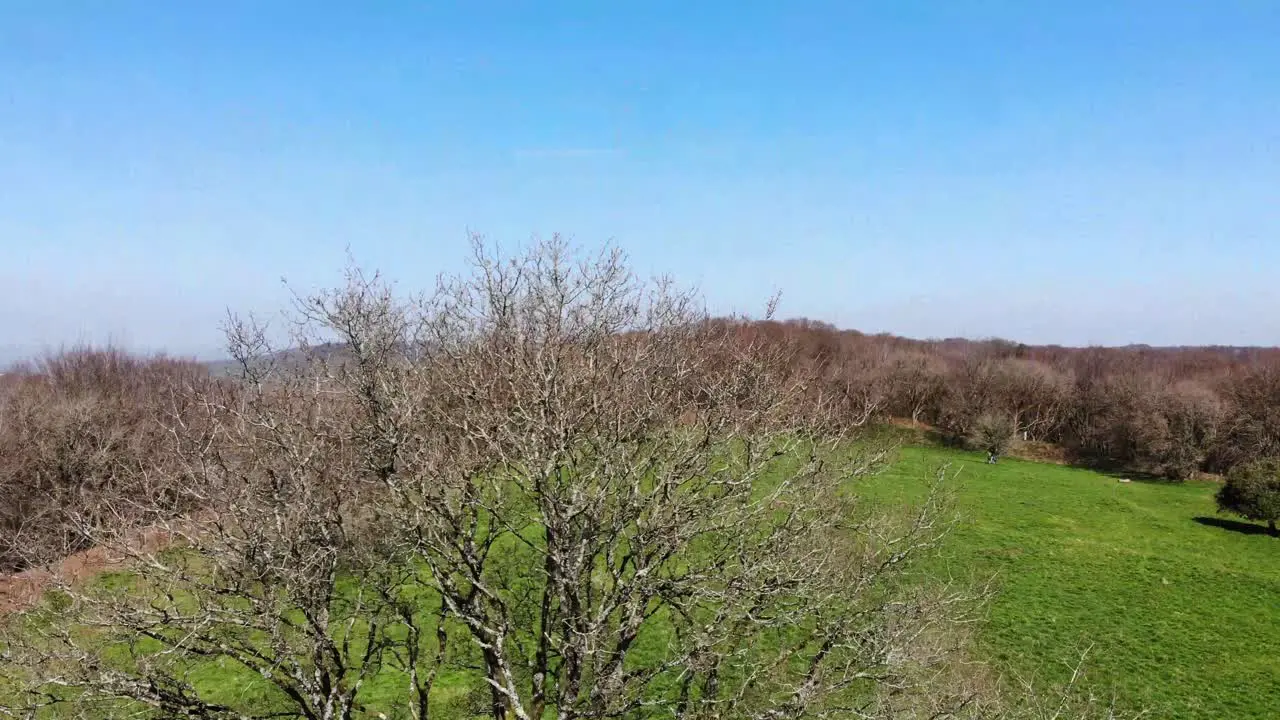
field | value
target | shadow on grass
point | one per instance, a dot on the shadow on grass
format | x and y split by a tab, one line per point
1245	528
947	440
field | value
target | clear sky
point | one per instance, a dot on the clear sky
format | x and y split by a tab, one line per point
1079	172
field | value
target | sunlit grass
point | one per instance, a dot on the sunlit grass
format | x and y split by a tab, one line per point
1183	616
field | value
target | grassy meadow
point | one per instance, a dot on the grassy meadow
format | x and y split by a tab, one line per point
1180	606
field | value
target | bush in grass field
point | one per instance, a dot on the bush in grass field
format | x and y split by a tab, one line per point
1252	491
993	434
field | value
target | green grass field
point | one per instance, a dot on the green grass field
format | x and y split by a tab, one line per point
1183	616
1181	607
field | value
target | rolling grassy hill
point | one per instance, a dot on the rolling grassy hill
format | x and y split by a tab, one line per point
1181	606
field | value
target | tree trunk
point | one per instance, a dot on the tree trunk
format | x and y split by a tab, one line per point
497	703
1271	525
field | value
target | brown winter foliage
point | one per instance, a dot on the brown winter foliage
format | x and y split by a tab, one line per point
77	425
78	428
1167	411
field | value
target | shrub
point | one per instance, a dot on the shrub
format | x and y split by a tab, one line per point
993	433
1252	491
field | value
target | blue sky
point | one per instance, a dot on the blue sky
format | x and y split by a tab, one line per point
1083	172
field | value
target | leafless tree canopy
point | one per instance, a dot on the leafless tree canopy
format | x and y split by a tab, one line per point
548	488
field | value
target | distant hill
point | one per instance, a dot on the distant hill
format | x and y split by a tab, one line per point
284	357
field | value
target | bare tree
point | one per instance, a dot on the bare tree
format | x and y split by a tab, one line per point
568	488
918	383
993	433
1251	426
1034	394
859	379
626	507
276	579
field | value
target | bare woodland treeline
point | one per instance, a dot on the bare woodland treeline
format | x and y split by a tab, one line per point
70	421
1166	411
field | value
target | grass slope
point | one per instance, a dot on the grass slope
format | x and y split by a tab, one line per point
1183	614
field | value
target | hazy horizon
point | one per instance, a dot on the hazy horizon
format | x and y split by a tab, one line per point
1097	173
16	358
